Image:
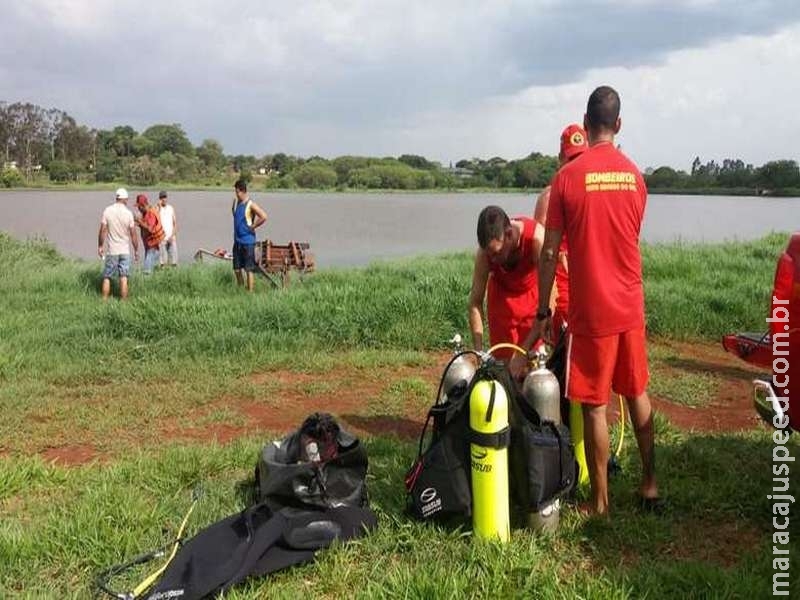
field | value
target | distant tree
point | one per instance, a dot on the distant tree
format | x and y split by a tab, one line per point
121	140
244	162
169	138
444	180
143	171
178	167
315	175
663	177
6	131
143	146
211	155
778	174
526	173
281	163
704	175
108	168
415	161
345	164
73	143
734	173
11	178
32	134
61	171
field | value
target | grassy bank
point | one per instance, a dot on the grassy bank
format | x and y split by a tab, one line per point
54	324
117	376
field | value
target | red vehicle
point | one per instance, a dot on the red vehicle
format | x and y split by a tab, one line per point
777	350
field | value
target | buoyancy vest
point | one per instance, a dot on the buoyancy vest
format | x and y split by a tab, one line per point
155	236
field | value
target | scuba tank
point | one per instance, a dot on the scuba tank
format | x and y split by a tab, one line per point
460	371
489	439
542	393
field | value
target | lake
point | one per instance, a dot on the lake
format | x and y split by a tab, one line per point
355	229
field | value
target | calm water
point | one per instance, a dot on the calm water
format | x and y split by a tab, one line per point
354	229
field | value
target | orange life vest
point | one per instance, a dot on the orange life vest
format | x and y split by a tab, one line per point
154	237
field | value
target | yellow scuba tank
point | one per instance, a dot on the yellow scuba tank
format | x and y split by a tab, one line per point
576	432
488	422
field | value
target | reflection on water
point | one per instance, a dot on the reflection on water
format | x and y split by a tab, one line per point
354	229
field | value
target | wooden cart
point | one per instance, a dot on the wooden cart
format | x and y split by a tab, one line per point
277	261
274	261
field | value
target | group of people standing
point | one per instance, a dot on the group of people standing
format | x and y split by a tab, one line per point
158	228
584	237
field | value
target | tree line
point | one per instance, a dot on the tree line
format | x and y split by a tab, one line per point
41	144
781	177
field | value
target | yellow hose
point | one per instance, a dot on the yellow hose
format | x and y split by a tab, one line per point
506	346
618	453
150	579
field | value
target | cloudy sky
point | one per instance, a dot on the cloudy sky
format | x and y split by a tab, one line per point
446	79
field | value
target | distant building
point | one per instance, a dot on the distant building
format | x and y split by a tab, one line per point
460	172
12	164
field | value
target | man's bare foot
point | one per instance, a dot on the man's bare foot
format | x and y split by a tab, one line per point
588	510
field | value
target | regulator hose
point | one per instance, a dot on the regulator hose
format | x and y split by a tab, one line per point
103	580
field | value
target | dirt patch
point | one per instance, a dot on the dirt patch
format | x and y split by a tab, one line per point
374	402
70	455
347	392
731	408
350	393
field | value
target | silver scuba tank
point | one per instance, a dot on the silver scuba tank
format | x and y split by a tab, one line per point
542	392
460	372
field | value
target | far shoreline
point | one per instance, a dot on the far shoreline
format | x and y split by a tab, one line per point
190	187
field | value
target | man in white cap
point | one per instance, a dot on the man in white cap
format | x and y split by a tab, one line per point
117	233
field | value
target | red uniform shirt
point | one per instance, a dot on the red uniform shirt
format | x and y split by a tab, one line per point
512	294
598	200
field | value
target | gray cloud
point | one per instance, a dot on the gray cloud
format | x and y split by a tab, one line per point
338	76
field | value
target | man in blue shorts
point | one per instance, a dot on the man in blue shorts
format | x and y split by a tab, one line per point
247	217
117	234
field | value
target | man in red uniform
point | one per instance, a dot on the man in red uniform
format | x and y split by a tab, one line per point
598	200
506	260
573	144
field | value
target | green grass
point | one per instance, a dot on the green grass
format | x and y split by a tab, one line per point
60	526
75	371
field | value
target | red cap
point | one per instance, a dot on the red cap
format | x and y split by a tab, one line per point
573	141
141	200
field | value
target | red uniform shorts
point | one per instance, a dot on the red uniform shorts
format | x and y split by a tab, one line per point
596	365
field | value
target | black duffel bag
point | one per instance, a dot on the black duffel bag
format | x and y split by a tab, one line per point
542	459
318	466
